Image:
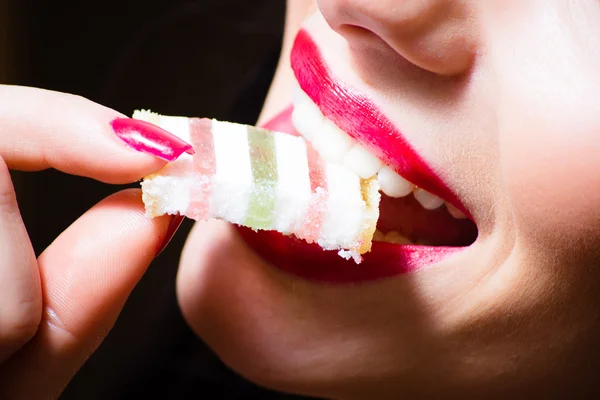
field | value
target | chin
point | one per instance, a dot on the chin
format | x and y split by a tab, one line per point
470	290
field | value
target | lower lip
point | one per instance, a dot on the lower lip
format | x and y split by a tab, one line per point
311	262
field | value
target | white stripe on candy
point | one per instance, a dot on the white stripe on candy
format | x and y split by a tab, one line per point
293	185
345	210
178	126
233	179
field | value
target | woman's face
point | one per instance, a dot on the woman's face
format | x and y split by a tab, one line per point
501	100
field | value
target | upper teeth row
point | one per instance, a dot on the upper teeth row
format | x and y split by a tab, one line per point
337	146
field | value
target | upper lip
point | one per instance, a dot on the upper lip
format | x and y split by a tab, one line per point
367	124
355	114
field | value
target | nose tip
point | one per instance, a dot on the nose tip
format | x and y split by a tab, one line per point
435	35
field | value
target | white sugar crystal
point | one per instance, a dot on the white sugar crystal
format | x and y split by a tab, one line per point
345	208
345	223
178	126
173	188
293	184
233	178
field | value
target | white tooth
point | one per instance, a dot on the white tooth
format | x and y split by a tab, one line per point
427	200
306	120
306	117
455	212
362	162
393	184
298	95
331	142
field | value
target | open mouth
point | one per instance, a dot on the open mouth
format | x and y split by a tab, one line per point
408	214
346	128
421	222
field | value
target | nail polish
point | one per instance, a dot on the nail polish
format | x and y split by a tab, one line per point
149	138
171	230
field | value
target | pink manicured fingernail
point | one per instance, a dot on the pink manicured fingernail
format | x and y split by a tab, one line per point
149	138
171	230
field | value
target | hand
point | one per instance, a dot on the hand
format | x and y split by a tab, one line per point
56	309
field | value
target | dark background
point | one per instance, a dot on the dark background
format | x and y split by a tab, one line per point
198	58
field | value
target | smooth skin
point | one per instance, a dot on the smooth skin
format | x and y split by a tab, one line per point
56	309
501	97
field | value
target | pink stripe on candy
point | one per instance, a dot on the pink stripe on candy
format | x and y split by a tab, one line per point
313	220
201	137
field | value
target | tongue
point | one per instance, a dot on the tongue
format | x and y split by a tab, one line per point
434	227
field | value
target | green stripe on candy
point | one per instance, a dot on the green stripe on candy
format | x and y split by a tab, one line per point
261	205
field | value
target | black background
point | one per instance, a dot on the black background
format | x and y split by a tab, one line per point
198	58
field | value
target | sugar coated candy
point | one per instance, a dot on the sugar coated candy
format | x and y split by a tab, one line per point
263	180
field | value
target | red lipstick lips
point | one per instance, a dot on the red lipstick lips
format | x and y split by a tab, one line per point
360	118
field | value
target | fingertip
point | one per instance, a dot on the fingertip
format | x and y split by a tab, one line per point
130	203
105	252
69	133
145	137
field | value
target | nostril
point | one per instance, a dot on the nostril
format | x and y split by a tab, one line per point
357	32
361	39
443	53
448	56
436	36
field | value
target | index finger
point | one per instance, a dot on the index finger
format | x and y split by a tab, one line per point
42	129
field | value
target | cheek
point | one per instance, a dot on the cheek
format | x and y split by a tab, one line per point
548	119
551	166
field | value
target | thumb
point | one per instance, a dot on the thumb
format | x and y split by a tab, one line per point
87	274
